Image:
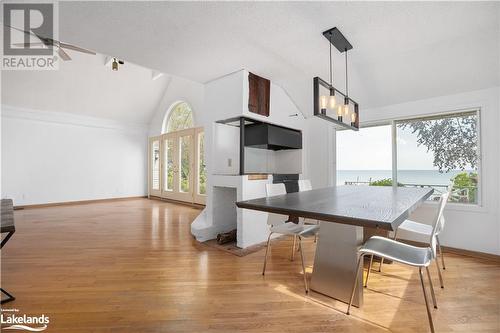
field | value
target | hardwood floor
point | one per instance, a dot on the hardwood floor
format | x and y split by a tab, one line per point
133	266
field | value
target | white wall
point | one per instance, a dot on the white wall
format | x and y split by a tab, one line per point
77	133
470	227
226	146
52	157
227	97
320	152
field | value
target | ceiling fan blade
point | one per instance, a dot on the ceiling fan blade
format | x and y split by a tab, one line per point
52	42
46	41
64	56
21	30
75	48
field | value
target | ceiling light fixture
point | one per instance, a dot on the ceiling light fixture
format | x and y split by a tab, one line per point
115	63
326	103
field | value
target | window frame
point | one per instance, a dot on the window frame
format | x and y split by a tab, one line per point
169	113
393	123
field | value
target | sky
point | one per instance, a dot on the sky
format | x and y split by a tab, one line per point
370	149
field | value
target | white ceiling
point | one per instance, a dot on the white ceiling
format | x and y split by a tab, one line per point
403	51
86	87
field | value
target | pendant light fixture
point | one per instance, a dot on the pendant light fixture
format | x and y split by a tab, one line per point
328	101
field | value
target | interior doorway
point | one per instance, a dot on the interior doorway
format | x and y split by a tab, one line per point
177	169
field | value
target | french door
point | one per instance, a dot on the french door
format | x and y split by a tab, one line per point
180	173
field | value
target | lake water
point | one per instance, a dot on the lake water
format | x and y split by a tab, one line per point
433	177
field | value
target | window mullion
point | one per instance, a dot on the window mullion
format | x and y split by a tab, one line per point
394	154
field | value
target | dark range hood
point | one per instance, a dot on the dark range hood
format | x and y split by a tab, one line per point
272	137
257	134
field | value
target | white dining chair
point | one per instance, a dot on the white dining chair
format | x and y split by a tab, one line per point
305	185
279	225
426	230
420	257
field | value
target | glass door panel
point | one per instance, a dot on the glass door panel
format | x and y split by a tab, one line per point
185	154
168	164
154	166
200	171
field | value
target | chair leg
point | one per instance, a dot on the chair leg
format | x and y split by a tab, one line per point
303	266
382	258
355	283
316	234
429	315
440	252
267	250
369	269
432	288
439	273
293	248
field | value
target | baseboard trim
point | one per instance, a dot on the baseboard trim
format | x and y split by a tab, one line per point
468	253
79	202
191	204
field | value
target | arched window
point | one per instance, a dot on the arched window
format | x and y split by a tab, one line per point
179	117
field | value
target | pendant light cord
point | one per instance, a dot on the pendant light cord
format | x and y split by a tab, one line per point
331	72
346	76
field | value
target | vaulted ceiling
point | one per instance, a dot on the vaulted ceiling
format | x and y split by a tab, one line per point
403	51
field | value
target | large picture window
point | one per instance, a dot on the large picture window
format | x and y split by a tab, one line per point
364	157
439	151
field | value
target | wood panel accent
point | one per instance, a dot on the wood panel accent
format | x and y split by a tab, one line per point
133	266
259	91
258	177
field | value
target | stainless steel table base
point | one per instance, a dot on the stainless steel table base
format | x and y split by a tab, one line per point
335	262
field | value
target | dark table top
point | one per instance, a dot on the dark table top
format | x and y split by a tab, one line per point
381	207
7	216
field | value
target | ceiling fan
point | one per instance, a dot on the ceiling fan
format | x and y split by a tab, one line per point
49	42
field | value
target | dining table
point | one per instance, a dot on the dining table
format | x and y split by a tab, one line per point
343	212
